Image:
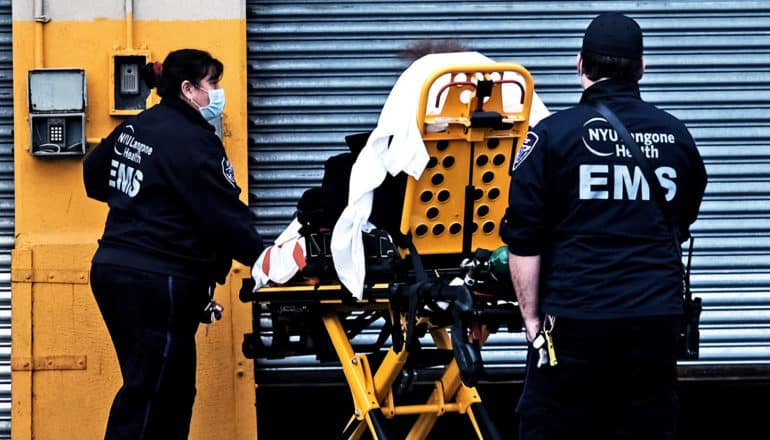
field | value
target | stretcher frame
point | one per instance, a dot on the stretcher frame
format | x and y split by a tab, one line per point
472	113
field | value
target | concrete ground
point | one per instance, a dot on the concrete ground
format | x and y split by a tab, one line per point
710	410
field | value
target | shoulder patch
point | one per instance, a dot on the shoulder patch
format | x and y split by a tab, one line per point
228	171
526	148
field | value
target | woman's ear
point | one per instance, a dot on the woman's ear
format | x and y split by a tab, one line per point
186	89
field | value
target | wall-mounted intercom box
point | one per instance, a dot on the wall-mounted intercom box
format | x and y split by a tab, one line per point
129	95
57	111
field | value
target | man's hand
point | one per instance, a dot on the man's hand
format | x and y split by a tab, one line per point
532	326
525	273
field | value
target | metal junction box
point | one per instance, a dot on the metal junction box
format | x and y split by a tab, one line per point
57	118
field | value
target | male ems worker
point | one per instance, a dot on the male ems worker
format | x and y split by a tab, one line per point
593	261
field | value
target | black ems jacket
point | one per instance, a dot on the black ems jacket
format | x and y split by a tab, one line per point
580	201
173	200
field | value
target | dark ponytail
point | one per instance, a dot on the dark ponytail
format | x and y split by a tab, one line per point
152	73
181	65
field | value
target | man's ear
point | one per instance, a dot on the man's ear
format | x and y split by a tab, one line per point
644	67
579	64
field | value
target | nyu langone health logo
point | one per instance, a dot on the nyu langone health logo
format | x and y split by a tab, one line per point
130	148
603	141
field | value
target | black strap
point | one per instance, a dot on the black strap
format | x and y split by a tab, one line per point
469	206
419	268
652	181
636	153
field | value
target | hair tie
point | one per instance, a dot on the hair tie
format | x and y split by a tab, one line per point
157	69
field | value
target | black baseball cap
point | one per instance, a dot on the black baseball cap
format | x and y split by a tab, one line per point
613	34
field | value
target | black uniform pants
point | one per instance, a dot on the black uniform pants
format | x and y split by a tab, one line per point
152	320
615	379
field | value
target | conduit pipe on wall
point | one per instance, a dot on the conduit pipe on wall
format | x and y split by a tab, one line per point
129	24
40	20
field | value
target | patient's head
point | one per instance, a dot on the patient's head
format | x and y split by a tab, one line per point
420	48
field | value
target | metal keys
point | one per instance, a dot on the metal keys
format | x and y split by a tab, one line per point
539	344
550	321
543	343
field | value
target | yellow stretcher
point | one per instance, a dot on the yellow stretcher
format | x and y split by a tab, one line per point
450	213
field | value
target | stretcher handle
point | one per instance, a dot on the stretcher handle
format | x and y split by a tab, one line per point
468	83
448	85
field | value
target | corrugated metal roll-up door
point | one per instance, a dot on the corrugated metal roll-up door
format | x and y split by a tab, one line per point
319	70
6	213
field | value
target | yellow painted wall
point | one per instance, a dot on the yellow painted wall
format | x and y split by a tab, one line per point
65	372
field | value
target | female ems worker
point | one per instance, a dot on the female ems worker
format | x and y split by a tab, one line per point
175	224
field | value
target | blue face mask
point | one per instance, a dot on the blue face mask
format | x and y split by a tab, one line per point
216	104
